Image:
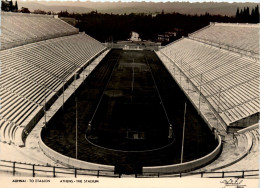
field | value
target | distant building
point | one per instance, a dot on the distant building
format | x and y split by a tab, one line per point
134	36
170	36
163	38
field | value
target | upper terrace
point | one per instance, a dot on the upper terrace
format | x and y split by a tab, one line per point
20	28
243	38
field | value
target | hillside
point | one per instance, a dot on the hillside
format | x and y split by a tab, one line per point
222	8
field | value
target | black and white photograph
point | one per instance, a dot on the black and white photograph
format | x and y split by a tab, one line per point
99	93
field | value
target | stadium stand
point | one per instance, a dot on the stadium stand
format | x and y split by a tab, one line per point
240	152
222	62
221	74
19	28
35	72
37	63
252	157
238	36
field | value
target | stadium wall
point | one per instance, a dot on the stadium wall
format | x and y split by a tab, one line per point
187	166
247	129
72	162
127	45
245	122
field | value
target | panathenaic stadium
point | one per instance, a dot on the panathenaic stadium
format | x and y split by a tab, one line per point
74	107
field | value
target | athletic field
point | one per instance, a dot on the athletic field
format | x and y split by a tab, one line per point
129	100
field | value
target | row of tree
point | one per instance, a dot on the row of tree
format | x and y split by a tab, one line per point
9	6
106	26
244	15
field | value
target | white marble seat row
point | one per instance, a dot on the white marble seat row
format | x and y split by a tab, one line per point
229	80
33	72
21	28
226	82
245	37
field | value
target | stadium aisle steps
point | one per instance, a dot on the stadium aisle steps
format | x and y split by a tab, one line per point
233	151
250	161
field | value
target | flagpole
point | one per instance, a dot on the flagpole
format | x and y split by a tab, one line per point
76	106
76	129
45	109
219	100
182	147
200	90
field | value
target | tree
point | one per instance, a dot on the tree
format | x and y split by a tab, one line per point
257	10
162	11
253	12
16	6
245	16
255	15
241	13
11	6
5	6
247	11
39	11
63	13
244	12
25	10
8	6
237	13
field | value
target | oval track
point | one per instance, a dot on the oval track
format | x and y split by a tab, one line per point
61	133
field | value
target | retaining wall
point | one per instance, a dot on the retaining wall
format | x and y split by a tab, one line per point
187	166
245	122
72	162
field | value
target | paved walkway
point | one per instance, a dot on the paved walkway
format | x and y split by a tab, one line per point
232	150
251	160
